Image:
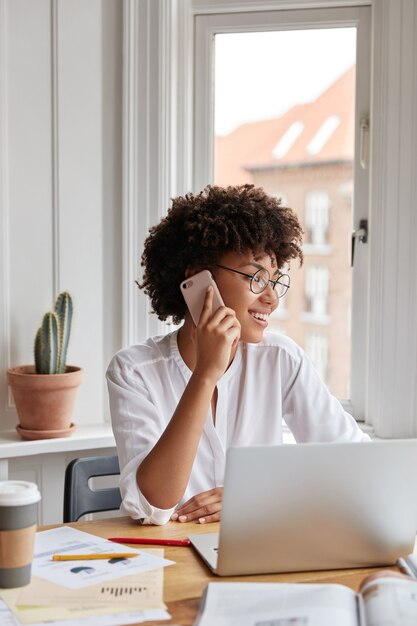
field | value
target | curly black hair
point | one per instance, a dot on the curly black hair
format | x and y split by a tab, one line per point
200	228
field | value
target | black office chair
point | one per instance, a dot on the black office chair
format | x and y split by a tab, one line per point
79	498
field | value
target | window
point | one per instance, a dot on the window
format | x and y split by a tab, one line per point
317	217
323	134
316	348
300	137
170	138
287	140
317	290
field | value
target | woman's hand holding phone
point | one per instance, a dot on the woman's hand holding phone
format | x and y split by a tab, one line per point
216	329
215	336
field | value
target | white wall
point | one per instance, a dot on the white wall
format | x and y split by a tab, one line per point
62	219
60	184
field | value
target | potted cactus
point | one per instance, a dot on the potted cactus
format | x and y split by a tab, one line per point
45	393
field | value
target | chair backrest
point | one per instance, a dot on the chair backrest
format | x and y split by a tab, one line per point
79	498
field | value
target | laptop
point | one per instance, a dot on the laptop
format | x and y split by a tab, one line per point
314	506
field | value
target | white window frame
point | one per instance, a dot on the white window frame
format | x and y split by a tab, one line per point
164	30
206	27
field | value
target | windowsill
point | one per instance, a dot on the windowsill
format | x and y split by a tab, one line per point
85	438
368	429
314	318
88	437
288	437
91	437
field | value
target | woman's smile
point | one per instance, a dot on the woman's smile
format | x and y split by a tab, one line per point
260	318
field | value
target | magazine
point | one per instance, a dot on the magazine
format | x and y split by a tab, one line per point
388	601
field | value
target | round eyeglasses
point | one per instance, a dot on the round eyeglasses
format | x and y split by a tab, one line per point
261	278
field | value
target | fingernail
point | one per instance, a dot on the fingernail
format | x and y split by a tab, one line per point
202	520
182	518
174	516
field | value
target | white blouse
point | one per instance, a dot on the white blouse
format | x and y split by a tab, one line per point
266	382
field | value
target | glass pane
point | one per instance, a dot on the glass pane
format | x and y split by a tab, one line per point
284	120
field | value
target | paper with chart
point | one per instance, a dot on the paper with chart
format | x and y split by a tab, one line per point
144	591
78	574
129	600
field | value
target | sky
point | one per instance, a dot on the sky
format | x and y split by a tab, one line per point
262	75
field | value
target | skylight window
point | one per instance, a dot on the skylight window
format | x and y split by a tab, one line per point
287	140
323	134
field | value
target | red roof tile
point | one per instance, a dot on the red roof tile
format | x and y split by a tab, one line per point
252	145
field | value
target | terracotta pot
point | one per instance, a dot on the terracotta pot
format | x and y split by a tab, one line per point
44	402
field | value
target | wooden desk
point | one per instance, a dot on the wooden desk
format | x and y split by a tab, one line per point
185	581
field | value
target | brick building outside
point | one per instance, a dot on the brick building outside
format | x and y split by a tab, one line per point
305	157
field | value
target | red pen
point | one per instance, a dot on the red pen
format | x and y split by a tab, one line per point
152	542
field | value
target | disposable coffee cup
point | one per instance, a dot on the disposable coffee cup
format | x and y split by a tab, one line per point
18	512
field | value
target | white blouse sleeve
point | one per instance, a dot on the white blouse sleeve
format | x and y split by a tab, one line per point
311	412
137	426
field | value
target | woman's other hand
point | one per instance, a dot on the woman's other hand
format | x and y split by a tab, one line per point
205	507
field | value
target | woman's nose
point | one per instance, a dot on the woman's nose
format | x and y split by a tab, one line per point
269	294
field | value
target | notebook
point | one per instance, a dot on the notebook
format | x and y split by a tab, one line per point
314	506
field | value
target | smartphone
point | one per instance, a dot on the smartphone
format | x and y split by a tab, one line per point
194	290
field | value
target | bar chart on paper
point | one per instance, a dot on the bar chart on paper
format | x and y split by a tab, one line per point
116	591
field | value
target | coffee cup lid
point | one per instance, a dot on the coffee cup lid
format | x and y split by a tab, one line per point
18	492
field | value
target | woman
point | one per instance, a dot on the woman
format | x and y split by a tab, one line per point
180	400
